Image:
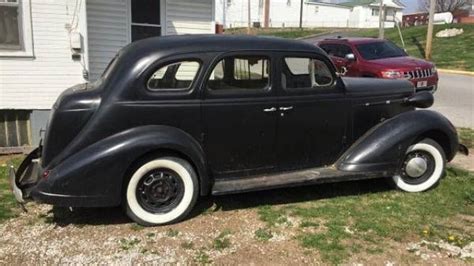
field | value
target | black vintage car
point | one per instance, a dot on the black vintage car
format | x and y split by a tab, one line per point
175	118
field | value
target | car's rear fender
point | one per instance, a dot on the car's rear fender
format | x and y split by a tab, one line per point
94	176
383	146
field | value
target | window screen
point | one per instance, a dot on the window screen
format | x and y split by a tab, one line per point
303	72
10	25
240	73
145	19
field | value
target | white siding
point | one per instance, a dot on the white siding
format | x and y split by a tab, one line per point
314	15
35	82
108	23
189	17
108	31
283	13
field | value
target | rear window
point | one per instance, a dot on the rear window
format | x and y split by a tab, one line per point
379	50
174	76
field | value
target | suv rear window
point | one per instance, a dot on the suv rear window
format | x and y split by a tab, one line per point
240	73
174	76
379	50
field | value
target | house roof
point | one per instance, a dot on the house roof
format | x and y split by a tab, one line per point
388	3
320	3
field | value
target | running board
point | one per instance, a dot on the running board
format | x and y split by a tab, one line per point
287	179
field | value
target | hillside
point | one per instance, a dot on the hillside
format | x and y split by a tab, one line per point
450	53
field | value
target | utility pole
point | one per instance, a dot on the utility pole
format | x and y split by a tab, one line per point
381	20
249	18
223	13
429	36
266	13
301	15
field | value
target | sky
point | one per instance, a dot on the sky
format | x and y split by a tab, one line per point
411	6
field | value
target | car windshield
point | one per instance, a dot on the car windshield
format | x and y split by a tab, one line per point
379	50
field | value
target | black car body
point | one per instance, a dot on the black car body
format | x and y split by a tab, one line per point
236	113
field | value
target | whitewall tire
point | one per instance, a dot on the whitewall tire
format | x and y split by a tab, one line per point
422	168
161	191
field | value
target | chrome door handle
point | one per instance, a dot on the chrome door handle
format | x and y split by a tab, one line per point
273	109
286	108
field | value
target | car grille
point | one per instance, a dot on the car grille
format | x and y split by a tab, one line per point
418	73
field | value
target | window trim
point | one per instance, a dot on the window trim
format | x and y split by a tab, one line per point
331	87
25	32
155	68
239	92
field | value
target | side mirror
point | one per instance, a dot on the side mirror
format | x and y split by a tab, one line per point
350	57
423	99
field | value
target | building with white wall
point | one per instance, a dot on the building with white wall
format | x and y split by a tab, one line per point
47	46
286	13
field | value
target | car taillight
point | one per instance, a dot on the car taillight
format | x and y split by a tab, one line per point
391	74
45	174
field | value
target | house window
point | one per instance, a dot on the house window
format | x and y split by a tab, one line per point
375	12
15	28
146	19
10	23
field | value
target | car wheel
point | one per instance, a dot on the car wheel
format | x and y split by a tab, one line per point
422	167
161	191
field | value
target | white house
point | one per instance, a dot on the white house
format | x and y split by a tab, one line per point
47	46
286	13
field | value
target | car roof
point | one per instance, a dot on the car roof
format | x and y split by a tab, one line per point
178	44
352	40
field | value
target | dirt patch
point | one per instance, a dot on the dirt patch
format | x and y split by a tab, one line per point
47	235
466	162
235	229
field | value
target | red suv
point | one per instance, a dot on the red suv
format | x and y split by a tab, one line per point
369	57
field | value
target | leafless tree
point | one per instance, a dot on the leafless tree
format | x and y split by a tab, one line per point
445	5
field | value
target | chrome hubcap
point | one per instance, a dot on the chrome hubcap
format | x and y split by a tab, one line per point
416	167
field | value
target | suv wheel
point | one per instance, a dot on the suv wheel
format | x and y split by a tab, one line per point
422	167
161	191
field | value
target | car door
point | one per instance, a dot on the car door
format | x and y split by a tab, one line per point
313	112
349	67
332	51
239	112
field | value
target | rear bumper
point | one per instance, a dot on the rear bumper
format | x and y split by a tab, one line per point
28	183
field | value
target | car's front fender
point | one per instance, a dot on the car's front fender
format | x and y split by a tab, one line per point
94	175
383	146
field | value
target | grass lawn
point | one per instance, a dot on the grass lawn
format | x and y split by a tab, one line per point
290	33
339	227
466	136
8	206
450	53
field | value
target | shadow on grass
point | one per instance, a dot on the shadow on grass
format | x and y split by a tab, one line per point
418	45
102	216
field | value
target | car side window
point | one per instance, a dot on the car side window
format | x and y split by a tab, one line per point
343	50
302	72
240	73
174	76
